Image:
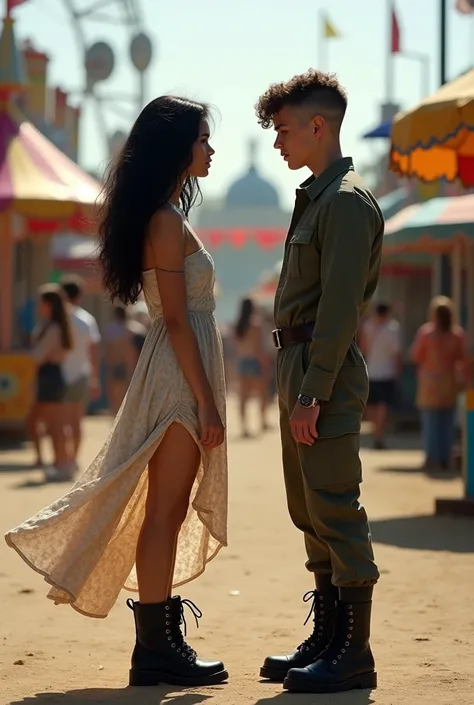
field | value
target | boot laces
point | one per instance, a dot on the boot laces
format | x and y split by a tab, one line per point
342	637
178	641
318	611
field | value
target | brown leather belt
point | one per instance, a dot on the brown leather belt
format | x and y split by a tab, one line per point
283	337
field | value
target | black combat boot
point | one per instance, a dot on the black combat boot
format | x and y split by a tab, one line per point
161	654
347	663
323	610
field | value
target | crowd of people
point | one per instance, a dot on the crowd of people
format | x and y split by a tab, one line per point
70	354
440	356
67	348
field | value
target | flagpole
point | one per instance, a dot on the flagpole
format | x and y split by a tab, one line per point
322	49
389	68
471	42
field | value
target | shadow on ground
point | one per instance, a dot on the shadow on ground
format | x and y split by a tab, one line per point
425	533
447	476
16	467
160	695
354	697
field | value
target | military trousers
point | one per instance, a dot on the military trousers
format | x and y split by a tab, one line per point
323	489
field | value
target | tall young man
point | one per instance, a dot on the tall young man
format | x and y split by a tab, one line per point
329	275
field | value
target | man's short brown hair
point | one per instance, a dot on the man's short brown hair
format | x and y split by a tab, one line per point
317	88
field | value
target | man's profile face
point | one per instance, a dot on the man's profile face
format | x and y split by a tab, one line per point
297	136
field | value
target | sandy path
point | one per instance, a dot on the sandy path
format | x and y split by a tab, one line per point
423	616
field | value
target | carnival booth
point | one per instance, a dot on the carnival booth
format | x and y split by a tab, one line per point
42	193
435	141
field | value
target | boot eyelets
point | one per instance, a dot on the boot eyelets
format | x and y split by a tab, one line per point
173	646
349	636
339	657
170	638
168	631
351	628
343	651
334	663
351	621
346	644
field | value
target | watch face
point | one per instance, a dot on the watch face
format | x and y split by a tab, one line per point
305	401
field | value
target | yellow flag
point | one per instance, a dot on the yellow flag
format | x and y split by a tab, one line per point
330	32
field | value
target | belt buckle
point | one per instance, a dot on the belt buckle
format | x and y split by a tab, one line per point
276	338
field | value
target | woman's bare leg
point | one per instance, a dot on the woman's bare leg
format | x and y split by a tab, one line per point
56	426
262	391
245	392
33	430
171	474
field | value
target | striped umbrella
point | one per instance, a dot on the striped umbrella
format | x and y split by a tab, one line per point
435	140
38	181
437	225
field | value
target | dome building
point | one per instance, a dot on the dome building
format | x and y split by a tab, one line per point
244	232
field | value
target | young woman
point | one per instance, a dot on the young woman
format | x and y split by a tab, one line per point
151	510
53	340
439	352
252	363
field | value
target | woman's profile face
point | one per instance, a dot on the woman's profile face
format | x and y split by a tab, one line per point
202	152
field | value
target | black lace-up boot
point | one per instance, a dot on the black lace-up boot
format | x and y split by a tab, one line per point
323	610
161	654
347	663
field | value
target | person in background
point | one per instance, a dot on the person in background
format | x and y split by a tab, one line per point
81	364
251	363
380	342
439	351
52	341
138	323
120	357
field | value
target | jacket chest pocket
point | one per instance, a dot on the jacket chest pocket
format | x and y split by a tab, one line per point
298	250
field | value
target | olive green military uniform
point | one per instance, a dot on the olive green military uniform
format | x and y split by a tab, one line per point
329	274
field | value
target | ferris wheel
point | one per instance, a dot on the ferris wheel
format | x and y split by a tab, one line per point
99	60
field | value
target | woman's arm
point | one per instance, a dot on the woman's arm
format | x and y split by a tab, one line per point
46	347
167	239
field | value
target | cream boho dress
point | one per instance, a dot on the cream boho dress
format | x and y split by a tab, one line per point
84	543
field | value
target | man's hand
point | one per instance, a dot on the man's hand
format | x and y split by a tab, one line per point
303	424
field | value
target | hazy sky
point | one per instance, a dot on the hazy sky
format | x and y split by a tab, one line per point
227	52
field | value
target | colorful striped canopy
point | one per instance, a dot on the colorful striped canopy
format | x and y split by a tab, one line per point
434	226
435	140
38	181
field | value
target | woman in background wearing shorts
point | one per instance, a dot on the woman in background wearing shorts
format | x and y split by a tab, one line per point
53	340
252	364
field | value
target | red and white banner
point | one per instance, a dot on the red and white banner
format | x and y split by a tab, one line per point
13	3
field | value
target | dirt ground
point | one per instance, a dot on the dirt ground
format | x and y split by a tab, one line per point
251	594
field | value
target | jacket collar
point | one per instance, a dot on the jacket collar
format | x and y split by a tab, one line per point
314	186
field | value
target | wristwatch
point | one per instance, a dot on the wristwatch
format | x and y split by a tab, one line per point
307	402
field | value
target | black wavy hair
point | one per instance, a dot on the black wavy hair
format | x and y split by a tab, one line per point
142	178
244	320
